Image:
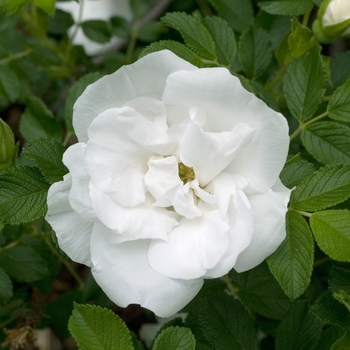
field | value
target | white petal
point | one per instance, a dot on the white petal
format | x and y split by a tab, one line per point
193	247
73	234
123	272
146	77
269	211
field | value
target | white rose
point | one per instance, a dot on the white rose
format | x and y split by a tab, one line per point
174	180
94	10
336	12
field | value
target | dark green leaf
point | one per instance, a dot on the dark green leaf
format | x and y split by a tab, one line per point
97	30
43	56
23	263
139	7
325	188
60	23
10	6
304	84
240	279
340	68
292	262
339	105
23	195
193	31
331	229
292	174
221	329
343	343
329	336
6	288
287	7
339	279
9	84
299	330
47	156
327	142
100	329
120	27
175	338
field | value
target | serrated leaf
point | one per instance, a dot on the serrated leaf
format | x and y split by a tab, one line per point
177	48
339	278
97	30
23	195
37	121
299	330
292	262
238	14
339	104
331	229
340	68
342	344
304	84
223	331
74	92
287	7
23	263
293	173
9	84
329	336
47	156
175	338
6	288
94	327
327	142
325	188
193	31
225	42
254	52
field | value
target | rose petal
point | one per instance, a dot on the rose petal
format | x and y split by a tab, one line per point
123	272
145	78
73	234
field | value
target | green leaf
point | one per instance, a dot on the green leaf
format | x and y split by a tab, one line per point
343	343
339	278
327	142
47	5
7	145
331	229
47	156
23	195
287	7
225	42
11	6
293	173
329	336
254	52
325	188
60	22
292	262
223	331
299	330
304	84
74	92
340	68
23	263
139	7
9	84
175	338
343	298
44	57
100	329
120	27
97	30
193	31
238	14
6	288
339	104
177	48
37	121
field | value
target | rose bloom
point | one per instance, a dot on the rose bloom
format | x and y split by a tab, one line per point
94	10
174	180
337	11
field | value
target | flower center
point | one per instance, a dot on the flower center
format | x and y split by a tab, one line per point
186	174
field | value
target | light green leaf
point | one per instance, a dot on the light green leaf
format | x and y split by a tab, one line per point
175	338
287	7
23	195
97	31
238	14
37	121
327	142
254	52
23	263
325	188
292	262
193	31
343	343
339	105
6	288
223	331
97	328
226	48
11	6
331	229
299	330
47	156
293	173
177	48
304	84
9	84
47	5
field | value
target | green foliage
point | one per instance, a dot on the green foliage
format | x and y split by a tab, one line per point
6	288
9	84
287	7
175	338
7	146
339	105
96	30
295	172
96	328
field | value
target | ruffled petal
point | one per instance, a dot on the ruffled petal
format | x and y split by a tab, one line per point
269	210
123	272
192	248
145	78
73	234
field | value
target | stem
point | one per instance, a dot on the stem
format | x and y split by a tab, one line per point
303	213
306	19
296	133
78	23
316	118
15	56
67	137
322	261
277	79
231	289
132	42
